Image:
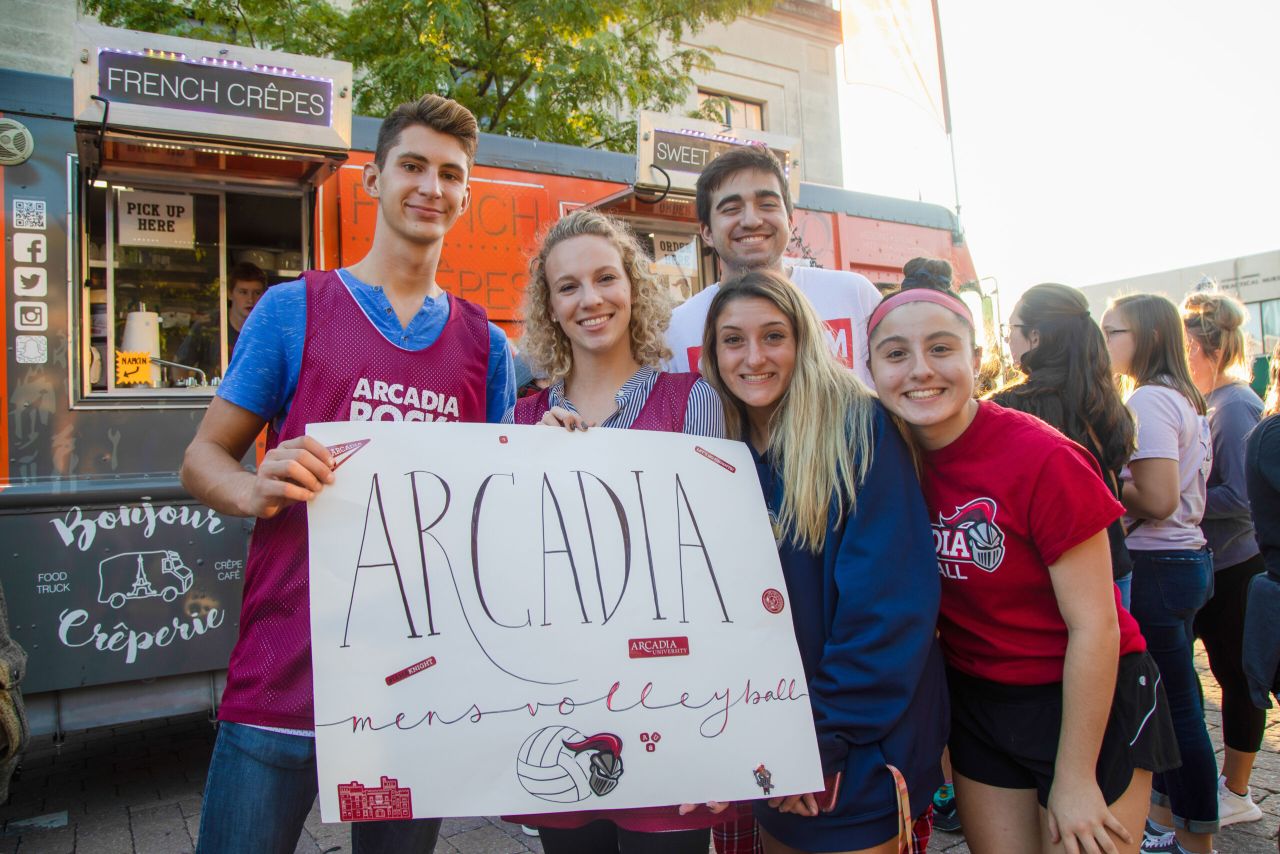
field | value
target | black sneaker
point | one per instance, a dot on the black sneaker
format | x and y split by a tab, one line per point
945	816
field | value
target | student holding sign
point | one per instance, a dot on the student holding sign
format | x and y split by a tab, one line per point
594	323
1058	715
382	324
856	552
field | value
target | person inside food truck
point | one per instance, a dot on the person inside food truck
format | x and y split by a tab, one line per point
744	210
378	323
247	284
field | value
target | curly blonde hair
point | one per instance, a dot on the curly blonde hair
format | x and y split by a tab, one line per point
544	343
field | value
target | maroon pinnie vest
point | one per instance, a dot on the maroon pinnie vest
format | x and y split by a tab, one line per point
350	372
663	410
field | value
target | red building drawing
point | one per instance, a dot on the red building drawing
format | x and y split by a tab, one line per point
388	801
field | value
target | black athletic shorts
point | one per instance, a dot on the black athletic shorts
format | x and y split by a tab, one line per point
1007	735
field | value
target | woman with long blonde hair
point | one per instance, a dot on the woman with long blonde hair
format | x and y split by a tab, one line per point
1163	492
1217	353
857	555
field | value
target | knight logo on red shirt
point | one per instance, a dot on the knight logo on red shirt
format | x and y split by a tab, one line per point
657	647
388	801
969	536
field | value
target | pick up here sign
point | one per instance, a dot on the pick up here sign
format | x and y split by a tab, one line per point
513	619
161	220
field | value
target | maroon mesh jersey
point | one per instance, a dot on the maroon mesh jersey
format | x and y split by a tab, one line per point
350	372
663	410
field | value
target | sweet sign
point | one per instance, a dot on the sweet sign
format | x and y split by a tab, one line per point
517	619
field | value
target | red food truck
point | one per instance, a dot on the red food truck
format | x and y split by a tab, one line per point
131	190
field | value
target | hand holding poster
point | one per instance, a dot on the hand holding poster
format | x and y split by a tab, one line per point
519	619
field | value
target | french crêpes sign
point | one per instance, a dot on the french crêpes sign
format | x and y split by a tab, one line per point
512	619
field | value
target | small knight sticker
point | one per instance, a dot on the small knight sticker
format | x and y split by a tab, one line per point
764	779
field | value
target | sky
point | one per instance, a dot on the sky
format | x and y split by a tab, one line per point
1094	140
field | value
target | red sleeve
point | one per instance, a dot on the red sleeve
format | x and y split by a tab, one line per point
1070	503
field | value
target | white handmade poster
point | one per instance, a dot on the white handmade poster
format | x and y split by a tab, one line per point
514	619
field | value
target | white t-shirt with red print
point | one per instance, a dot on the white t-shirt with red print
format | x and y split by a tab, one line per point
1007	499
844	301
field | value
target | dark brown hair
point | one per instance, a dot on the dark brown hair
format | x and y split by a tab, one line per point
738	159
440	114
246	272
1068	382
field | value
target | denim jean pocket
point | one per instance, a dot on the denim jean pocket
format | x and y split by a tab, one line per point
1184	580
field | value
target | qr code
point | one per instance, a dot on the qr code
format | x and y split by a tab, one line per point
29	213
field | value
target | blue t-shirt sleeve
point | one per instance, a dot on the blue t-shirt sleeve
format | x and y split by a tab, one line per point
500	387
267	360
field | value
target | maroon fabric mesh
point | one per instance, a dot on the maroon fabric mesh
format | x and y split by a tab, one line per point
269	677
663	410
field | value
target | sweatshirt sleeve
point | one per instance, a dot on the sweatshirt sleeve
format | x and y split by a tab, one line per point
887	593
1227	495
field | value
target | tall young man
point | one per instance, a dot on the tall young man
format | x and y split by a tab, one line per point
744	211
382	320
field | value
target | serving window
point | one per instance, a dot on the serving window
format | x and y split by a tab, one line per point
171	272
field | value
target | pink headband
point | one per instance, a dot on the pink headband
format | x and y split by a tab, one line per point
946	299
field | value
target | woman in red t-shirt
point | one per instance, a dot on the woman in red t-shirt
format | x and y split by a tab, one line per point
1058	716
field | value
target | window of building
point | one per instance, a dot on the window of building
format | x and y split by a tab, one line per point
171	274
731	111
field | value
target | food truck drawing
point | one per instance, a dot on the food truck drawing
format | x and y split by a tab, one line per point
154	170
142	575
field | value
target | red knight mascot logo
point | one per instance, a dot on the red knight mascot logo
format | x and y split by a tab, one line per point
970	535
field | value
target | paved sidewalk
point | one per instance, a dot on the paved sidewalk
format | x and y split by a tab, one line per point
136	790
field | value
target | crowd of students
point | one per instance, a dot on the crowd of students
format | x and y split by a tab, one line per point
1019	580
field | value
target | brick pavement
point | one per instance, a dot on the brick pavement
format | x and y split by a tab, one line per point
136	790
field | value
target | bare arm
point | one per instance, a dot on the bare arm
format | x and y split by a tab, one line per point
294	471
1153	492
1083	588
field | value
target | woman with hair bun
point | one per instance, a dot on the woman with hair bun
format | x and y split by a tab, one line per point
1068	384
1058	717
1219	361
1163	492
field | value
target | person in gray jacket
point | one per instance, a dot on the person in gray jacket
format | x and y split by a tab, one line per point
1216	354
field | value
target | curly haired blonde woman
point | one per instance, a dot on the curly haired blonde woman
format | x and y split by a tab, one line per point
595	322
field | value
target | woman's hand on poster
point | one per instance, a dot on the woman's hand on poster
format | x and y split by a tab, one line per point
715	807
295	470
1079	819
558	416
805	804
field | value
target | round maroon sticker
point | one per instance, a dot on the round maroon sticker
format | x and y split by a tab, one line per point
773	601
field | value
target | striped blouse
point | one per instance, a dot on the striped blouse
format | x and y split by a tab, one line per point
704	415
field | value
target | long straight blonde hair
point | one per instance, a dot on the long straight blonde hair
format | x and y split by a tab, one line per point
821	434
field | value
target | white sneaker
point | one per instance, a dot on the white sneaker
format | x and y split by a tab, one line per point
1233	808
528	831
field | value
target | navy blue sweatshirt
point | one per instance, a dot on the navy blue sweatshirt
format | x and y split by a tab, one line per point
865	612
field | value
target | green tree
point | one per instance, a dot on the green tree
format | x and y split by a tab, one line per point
569	71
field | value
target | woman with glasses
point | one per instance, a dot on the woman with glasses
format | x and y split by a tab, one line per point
1163	492
1067	383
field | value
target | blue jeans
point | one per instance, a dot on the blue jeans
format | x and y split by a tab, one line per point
1169	587
261	786
1125	583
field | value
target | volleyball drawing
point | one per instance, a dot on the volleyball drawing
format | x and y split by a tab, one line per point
561	765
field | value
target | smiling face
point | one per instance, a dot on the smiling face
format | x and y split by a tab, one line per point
422	187
590	294
923	362
756	355
1120	340
749	225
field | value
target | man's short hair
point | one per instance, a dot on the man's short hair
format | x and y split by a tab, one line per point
738	159
440	114
246	272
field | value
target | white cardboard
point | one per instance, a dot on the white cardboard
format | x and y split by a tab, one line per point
503	670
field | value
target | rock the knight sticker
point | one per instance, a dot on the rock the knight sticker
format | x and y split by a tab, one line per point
559	621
